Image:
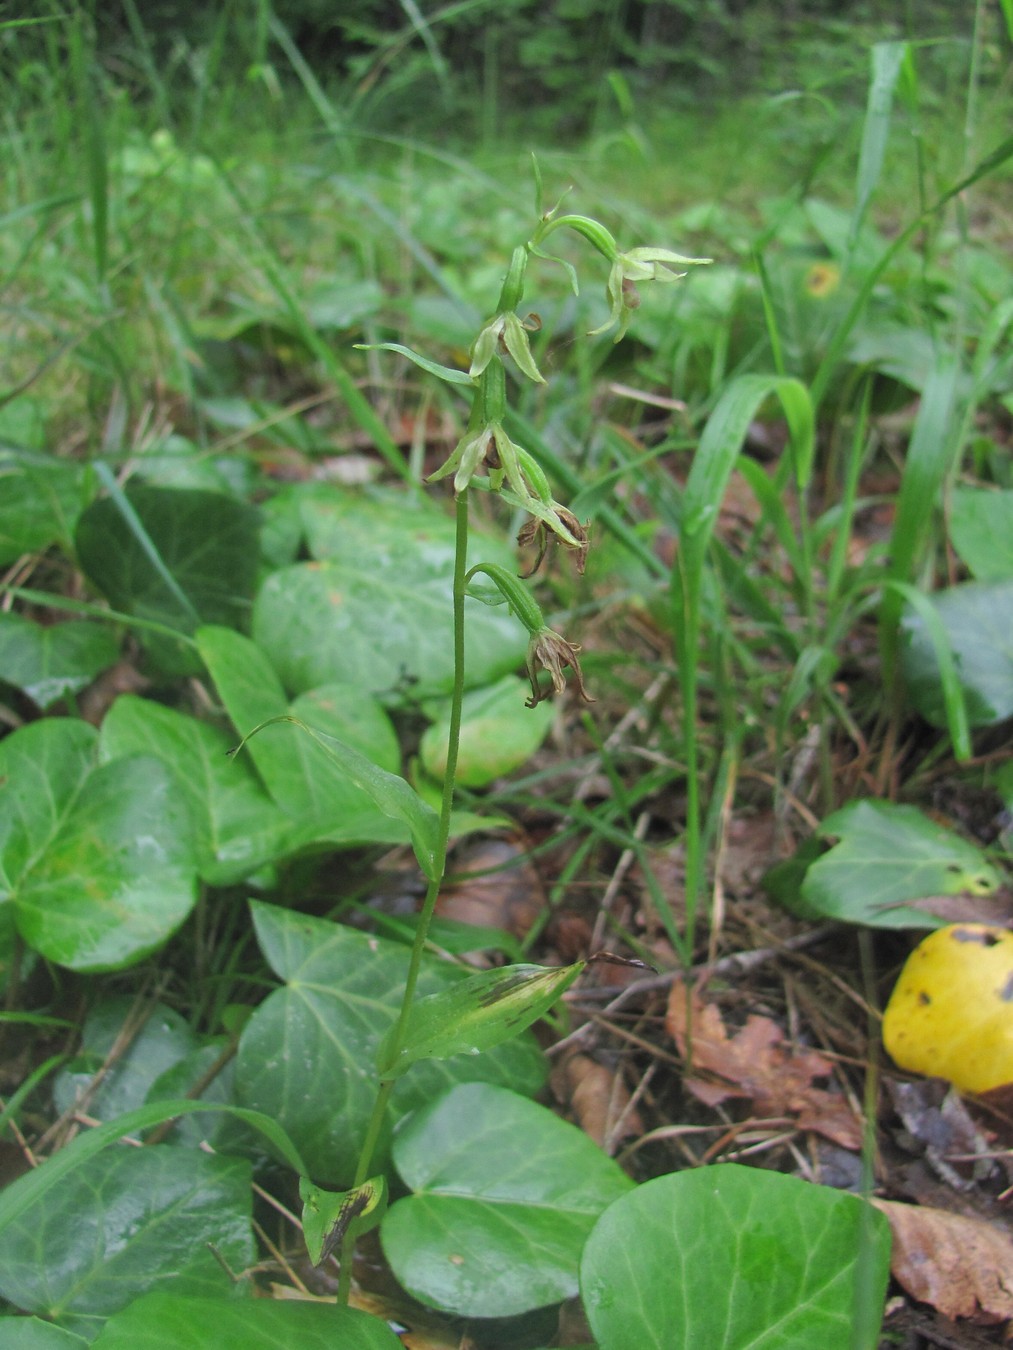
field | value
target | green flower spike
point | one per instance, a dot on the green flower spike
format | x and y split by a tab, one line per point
513	332
639	264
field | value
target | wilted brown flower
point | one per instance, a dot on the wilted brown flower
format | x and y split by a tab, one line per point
541	531
549	651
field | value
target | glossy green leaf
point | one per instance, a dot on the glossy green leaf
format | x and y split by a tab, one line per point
40	499
981	530
137	1219
736	1258
977	619
505	1195
327	1216
307	1055
20	1197
30	1333
237	827
302	777
178	555
52	662
482	1011
884	859
171	1322
375	609
98	859
499	733
159	1041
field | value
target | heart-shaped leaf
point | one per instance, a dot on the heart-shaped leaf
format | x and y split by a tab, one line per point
137	1219
307	1055
97	858
160	1038
499	733
506	1194
981	528
181	556
978	620
170	1321
734	1257
237	827
52	662
304	779
375	609
887	857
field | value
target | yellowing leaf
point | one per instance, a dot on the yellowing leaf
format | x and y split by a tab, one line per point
951	1013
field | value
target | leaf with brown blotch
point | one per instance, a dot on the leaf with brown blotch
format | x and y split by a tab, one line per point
759	1065
962	1267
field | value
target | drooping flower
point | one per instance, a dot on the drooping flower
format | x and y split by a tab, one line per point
638	264
549	651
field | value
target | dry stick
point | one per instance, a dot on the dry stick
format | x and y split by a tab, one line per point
615	1132
717	914
133	1023
737	964
196	1091
626	858
19	1138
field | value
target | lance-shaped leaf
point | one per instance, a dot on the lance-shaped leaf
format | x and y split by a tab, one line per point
446	373
388	791
328	1215
475	1015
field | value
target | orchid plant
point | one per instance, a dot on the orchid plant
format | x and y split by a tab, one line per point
491	1007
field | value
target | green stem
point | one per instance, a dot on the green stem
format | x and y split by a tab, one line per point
386	1086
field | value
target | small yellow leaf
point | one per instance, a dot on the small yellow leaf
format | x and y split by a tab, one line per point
951	1013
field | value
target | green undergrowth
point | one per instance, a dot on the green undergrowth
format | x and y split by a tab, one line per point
245	667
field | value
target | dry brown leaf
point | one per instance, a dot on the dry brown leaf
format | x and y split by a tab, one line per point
505	893
759	1065
594	1097
963	1267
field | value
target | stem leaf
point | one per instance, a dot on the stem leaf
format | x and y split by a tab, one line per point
389	791
475	1015
328	1215
448	374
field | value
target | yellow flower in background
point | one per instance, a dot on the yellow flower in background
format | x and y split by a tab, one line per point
822	279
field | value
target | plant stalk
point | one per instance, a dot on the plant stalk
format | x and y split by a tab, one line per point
386	1085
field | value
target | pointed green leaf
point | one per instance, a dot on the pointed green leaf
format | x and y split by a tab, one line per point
446	373
307	1055
480	1012
389	792
309	785
328	1215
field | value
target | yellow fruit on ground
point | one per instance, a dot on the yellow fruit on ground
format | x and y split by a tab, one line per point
951	1013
